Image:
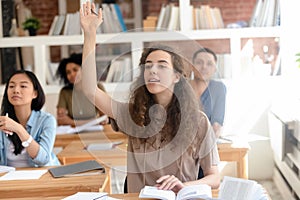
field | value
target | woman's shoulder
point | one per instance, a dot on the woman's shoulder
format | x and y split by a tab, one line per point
66	88
216	84
43	115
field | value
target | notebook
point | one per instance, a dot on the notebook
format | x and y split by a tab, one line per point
76	168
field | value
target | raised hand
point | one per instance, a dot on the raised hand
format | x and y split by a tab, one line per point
90	20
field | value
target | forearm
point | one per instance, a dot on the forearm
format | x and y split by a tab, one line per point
89	73
211	178
34	147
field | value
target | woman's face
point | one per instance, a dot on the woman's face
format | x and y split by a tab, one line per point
20	90
159	73
72	70
205	66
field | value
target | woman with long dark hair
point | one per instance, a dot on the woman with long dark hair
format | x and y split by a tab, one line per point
27	133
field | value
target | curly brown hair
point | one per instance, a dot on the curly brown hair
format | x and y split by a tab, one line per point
141	100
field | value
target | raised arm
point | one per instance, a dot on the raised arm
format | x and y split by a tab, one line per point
89	23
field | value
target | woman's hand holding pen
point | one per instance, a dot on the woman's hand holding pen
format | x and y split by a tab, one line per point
6	125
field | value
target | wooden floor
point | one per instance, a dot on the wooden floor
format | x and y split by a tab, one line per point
271	189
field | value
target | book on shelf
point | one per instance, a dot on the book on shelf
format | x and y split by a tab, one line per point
276	21
166	18
201	191
173	23
53	24
72	24
69	24
119	70
160	18
114	18
57	24
265	13
120	17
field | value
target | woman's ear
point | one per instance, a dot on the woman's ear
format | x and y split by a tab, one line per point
35	94
177	78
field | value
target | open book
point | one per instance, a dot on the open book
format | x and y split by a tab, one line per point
242	189
200	191
93	125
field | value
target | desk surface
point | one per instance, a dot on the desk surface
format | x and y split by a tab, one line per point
47	186
130	196
76	152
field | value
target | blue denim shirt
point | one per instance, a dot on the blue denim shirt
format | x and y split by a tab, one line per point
42	127
213	101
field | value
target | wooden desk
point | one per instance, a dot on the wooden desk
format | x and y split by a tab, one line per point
47	186
236	152
62	140
129	196
76	152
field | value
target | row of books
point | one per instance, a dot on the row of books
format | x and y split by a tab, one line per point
69	24
266	13
120	70
201	17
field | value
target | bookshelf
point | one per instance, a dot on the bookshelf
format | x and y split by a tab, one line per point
137	40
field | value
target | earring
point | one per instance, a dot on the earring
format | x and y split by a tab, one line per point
192	75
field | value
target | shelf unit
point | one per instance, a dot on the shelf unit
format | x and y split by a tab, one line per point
40	44
136	40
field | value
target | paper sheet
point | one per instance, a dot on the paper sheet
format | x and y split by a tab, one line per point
87	196
23	175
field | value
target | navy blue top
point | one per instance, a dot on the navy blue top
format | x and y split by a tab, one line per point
213	101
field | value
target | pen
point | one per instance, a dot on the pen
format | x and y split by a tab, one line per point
99	197
6	115
94	12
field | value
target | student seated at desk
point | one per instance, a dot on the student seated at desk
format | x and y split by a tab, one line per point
73	108
165	146
27	133
211	93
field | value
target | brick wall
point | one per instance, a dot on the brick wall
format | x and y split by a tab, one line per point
44	10
232	10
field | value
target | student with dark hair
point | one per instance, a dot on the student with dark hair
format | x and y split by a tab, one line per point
168	135
73	108
211	93
27	133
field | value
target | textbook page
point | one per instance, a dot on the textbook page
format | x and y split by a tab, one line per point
200	191
195	191
153	192
242	189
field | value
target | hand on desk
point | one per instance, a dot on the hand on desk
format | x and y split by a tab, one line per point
169	182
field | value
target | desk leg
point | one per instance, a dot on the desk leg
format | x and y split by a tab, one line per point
107	183
242	165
